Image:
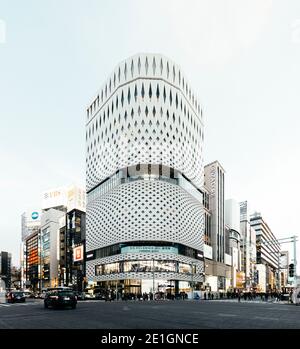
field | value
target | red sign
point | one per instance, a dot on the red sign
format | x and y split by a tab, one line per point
78	253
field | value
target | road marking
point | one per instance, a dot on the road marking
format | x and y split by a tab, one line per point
227	315
126	308
266	318
18	304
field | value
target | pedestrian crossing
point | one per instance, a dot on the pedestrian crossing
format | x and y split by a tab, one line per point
247	301
5	305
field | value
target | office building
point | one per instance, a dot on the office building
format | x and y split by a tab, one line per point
217	272
232	241
5	268
72	250
51	222
248	248
284	270
49	237
144	138
267	254
30	250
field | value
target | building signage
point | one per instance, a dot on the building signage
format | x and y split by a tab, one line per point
54	197
70	197
30	223
34	215
78	253
240	279
149	249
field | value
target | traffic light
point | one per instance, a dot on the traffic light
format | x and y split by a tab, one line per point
291	270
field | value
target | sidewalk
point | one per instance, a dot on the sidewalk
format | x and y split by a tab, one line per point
235	300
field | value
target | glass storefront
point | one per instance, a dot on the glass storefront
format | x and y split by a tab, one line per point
145	172
144	266
132	288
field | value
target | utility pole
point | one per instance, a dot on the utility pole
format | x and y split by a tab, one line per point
295	261
291	239
153	278
192	281
116	289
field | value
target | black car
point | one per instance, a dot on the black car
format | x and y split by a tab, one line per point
16	296
61	299
80	296
101	296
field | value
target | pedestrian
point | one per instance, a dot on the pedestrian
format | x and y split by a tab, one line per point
205	296
239	296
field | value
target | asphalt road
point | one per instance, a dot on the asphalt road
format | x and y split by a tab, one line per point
151	315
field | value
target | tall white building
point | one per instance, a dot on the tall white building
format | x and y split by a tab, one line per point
144	139
268	253
52	220
214	182
232	240
217	262
248	248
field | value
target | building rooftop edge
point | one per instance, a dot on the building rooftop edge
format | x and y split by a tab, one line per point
215	162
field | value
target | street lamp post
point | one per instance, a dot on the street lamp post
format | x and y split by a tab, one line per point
153	285
192	281
291	239
295	261
116	289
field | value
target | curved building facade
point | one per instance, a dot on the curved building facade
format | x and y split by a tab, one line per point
144	138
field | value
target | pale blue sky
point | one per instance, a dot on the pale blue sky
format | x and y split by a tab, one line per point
242	57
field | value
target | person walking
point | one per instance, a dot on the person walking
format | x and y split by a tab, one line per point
239	296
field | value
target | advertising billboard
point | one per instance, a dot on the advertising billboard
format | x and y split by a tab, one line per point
31	221
240	279
54	197
78	253
71	197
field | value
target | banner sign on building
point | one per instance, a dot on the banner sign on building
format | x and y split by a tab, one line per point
149	249
240	279
78	253
71	197
31	222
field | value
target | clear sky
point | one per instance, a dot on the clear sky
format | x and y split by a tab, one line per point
241	57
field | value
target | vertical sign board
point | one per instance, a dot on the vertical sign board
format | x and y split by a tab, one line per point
78	253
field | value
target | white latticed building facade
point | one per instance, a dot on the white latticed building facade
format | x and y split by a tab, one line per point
144	139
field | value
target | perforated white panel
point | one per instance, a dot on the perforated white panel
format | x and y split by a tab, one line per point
145	113
145	210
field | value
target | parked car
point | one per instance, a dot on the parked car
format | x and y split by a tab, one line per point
89	295
81	296
16	296
101	296
57	299
28	294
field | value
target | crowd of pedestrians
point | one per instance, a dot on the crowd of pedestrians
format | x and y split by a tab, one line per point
247	296
157	296
202	295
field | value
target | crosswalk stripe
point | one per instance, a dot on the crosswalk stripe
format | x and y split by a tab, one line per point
18	304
